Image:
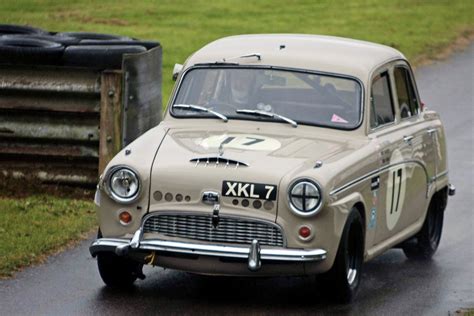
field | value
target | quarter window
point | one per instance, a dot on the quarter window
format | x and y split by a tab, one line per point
381	106
405	93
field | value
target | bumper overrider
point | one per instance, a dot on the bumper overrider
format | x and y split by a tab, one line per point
254	254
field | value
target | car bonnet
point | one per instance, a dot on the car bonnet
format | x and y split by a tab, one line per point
191	162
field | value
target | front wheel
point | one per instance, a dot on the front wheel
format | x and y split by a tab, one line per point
117	271
345	275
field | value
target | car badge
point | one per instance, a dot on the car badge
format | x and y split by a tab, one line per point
210	197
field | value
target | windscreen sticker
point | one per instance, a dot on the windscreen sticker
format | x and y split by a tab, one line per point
241	141
337	119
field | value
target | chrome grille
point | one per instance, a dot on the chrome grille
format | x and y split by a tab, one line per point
230	229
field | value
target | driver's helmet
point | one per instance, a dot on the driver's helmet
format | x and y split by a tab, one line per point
241	85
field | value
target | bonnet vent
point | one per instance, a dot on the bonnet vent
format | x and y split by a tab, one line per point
218	161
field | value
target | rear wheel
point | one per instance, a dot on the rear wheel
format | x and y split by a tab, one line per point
424	244
344	278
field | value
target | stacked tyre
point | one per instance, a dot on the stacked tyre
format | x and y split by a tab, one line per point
29	45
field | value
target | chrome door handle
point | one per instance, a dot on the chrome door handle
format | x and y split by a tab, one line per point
431	131
408	139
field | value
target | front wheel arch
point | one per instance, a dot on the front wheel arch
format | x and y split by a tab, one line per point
359	206
343	279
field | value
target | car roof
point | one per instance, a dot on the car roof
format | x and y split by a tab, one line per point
312	52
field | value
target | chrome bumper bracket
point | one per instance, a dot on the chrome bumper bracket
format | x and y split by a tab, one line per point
254	262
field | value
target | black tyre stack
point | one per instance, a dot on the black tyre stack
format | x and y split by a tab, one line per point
29	45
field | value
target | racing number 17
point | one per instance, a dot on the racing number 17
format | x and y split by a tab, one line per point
396	182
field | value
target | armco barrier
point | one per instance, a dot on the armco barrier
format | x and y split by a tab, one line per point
63	124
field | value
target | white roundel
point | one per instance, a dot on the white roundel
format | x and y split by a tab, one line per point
396	188
241	141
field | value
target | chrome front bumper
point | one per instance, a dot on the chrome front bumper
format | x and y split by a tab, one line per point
255	254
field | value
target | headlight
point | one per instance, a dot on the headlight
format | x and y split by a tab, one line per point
305	197
122	184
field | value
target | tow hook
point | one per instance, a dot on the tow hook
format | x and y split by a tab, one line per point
254	263
150	259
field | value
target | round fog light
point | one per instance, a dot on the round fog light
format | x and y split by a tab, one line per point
125	218
304	232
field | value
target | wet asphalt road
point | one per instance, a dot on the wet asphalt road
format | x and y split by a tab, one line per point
69	284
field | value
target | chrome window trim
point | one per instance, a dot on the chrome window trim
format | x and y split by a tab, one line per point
174	95
395	118
386	125
412	78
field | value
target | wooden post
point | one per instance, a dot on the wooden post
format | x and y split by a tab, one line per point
110	136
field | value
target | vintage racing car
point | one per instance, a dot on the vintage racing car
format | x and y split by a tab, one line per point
278	155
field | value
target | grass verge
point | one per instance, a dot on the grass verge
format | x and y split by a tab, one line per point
419	27
34	227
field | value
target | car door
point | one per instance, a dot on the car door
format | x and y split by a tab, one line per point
395	151
423	136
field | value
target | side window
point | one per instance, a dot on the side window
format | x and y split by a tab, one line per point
381	106
405	92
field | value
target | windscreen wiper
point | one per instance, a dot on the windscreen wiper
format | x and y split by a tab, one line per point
267	114
199	108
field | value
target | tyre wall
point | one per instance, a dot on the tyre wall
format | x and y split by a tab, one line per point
70	101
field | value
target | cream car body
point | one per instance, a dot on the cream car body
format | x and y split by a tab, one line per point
387	172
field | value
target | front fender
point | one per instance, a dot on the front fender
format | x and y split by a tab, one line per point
139	155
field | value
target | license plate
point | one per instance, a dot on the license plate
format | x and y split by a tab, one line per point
249	190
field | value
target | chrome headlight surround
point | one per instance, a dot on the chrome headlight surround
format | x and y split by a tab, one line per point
305	197
122	184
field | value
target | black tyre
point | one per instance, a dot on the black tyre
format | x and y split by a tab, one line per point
99	56
94	36
29	50
115	271
118	272
63	40
343	280
20	29
424	244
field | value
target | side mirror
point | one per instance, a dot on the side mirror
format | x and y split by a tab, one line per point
176	70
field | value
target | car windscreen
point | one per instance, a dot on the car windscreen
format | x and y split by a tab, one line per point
307	98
